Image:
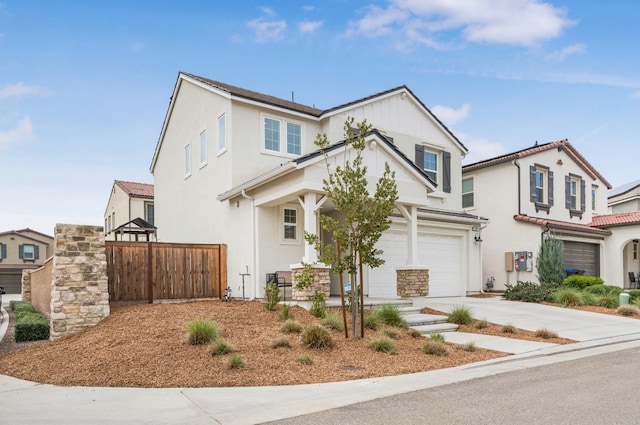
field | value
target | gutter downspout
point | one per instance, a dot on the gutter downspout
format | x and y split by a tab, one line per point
254	243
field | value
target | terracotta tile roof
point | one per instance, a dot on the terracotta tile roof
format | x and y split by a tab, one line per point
142	190
560	145
614	220
556	224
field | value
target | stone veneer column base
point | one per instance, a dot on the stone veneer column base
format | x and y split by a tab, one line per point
321	282
412	281
26	286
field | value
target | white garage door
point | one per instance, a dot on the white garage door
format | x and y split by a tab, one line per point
441	253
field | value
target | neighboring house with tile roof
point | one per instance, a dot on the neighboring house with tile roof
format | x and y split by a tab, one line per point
546	189
240	168
128	201
23	249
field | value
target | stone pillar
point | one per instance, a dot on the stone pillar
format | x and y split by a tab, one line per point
26	286
321	282
413	281
80	294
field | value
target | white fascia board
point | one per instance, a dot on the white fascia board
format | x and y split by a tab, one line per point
298	189
285	168
452	218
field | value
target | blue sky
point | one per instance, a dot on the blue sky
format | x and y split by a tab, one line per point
84	86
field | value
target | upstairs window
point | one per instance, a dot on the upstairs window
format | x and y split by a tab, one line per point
467	193
575	195
282	136
28	252
187	160
541	187
203	148
430	164
222	133
149	213
434	162
594	192
3	251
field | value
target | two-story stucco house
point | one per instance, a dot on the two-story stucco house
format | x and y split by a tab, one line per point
23	249
130	211
547	189
240	168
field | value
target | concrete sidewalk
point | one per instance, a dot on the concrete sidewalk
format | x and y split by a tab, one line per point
32	403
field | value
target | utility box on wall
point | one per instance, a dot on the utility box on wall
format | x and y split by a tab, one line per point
523	261
508	261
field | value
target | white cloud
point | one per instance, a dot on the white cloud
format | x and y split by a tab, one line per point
268	11
514	22
267	30
451	116
566	51
309	26
19	89
308	8
22	132
480	149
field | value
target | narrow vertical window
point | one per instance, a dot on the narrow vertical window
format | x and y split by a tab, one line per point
203	147
540	178
573	194
271	134
593	197
467	193
430	165
290	232
294	138
222	133
187	160
149	212
635	251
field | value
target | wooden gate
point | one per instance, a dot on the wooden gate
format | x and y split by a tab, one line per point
139	271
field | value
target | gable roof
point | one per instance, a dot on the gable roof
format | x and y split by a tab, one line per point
616	220
142	190
310	111
560	145
621	190
307	159
22	233
563	225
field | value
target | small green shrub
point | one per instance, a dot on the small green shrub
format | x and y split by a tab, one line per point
372	320
588	298
546	333
220	347
508	329
634	294
602	290
291	327
581	282
390	315
280	343
482	324
383	344
18	306
30	325
202	331
286	312
437	337
435	348
333	321
305	359
390	333
273	296
628	310
317	337
530	292
569	296
470	347
236	362
414	333
319	305
460	315
608	301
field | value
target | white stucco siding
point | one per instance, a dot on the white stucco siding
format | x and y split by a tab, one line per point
620	260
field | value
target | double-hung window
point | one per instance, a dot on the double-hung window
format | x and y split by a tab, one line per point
187	160
575	195
540	184
149	212
281	136
290	227
467	193
594	192
430	164
541	187
222	133
203	148
436	164
28	252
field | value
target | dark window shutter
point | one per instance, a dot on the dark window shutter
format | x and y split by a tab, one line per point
567	192
583	195
3	250
550	179
532	183
446	171
420	156
37	252
20	251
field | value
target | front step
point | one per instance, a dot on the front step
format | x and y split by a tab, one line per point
436	328
418	319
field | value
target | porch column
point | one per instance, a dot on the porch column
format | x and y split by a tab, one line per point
310	206
410	213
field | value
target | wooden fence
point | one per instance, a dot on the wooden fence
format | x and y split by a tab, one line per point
139	271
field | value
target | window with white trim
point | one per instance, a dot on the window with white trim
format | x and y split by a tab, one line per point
594	192
282	136
222	133
203	148
187	160
290	224
430	164
149	212
467	192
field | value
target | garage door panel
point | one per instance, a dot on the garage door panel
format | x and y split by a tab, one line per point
12	283
582	256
